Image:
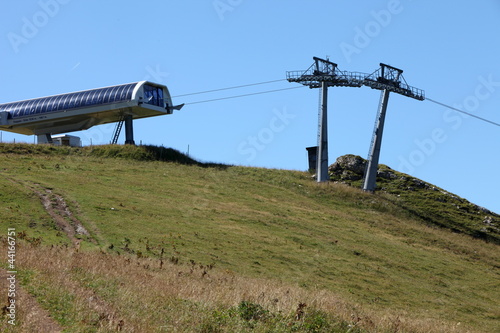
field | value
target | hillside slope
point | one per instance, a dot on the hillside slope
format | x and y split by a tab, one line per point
215	248
428	202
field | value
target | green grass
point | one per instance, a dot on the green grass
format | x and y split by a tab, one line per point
384	252
426	202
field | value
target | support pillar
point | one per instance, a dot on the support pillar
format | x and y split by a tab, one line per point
371	170
45	138
322	157
129	130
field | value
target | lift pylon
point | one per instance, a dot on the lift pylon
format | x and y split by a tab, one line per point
388	79
323	74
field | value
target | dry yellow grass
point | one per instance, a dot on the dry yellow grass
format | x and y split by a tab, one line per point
119	293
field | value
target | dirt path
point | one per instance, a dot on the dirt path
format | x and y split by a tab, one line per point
57	208
32	317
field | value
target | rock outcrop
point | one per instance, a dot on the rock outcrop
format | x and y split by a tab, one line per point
347	167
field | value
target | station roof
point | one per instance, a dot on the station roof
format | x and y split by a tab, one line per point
69	101
84	109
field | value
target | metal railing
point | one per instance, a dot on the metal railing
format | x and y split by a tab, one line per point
338	78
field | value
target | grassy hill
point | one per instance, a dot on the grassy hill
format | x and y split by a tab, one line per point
145	239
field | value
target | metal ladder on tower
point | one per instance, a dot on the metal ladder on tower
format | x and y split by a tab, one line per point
118	129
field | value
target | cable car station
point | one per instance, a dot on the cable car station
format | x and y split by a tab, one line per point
81	110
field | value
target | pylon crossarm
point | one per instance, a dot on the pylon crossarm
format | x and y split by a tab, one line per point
391	78
325	71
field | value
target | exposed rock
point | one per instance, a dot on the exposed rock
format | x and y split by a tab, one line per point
420	184
387	174
491	224
483	210
347	167
441	199
488	220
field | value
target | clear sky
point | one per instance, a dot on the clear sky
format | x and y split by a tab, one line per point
449	48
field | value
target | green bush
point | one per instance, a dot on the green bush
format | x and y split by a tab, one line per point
251	311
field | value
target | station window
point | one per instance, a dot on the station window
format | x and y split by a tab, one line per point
153	95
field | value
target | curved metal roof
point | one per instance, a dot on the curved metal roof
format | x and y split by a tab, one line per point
119	93
83	109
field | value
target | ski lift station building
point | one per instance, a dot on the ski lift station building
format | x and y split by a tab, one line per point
81	110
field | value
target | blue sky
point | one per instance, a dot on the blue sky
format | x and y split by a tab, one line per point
448	48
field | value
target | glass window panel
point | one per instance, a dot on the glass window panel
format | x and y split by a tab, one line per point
11	107
160	97
90	99
86	98
129	91
122	92
79	100
100	96
72	100
153	95
40	104
126	92
119	93
26	107
14	109
57	103
29	107
63	102
35	106
67	101
94	97
42	107
50	104
5	107
112	94
148	93
107	95
21	108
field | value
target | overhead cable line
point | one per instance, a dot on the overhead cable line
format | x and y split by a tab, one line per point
276	90
228	88
458	110
238	96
